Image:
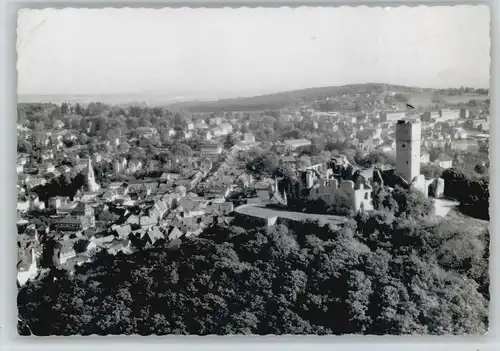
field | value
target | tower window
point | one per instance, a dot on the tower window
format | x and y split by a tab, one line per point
406	162
403	145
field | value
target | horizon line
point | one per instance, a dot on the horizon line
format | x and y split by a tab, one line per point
199	97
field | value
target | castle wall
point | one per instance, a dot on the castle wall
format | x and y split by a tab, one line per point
420	184
328	190
248	221
363	199
435	187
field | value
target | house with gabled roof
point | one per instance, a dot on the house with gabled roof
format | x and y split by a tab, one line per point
132	219
212	210
155	235
226	207
170	216
147	237
82	209
210	219
177	221
72	224
120	246
121	231
150	220
444	162
115	185
66	251
186	204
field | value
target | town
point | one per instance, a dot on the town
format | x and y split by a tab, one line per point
96	178
265	171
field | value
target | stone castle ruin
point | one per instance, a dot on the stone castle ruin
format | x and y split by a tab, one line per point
339	178
326	182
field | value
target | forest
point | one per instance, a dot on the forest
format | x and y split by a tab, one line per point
471	189
387	272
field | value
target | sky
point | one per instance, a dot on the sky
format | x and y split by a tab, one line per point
228	52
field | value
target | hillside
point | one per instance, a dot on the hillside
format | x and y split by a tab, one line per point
288	98
421	97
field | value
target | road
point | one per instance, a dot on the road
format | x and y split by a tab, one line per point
443	206
261	211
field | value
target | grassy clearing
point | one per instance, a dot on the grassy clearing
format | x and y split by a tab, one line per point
460	221
424	99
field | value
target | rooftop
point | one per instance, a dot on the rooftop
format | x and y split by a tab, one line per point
409	121
297	141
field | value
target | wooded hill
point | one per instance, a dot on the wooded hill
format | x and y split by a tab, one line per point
288	99
385	273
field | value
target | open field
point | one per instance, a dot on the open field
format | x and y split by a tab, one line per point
424	99
460	221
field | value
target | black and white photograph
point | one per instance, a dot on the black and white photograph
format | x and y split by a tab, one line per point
253	171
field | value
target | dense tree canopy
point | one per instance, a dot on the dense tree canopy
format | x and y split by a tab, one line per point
61	186
375	276
376	158
262	162
471	190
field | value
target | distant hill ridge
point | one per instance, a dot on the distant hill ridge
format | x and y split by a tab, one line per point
287	98
270	101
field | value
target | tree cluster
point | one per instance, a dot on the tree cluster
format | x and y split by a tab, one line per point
472	191
407	203
61	186
375	158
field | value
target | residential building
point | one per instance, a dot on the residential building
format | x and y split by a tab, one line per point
175	233
23	204
82	209
145	132
215	121
22	160
47	168
119	165
293	144
133	167
463	145
25	274
444	162
248	138
69	224
386	116
32	182
96	158
464	112
211	150
115	185
57	201
207	135
171	132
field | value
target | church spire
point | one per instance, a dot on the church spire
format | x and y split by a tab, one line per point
92	186
90	170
